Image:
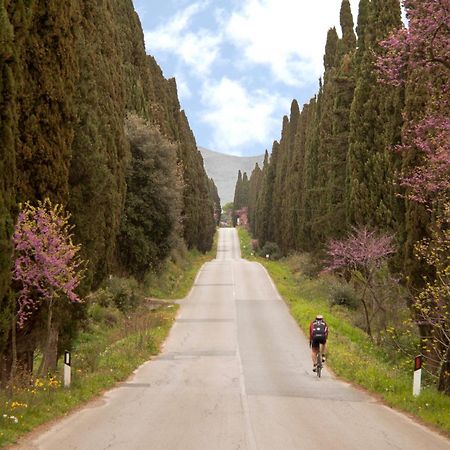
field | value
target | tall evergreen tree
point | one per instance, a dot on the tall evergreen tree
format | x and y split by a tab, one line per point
264	202
237	200
342	90
374	125
280	173
8	133
297	191
289	217
310	200
255	183
214	194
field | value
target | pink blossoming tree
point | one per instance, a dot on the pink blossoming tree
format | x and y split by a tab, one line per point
46	269
358	258
420	55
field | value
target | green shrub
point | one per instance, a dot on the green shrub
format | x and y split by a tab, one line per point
306	263
125	293
102	297
271	249
101	314
343	294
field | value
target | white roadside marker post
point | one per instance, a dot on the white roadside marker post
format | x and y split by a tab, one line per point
417	375
67	369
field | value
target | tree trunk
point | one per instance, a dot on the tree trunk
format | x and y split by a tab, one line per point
50	353
444	374
13	344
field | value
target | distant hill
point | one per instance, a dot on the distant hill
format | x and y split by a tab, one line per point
223	169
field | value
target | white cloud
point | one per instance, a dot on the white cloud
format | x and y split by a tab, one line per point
184	91
197	49
287	35
238	117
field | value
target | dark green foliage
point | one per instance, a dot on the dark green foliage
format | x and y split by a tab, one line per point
198	208
125	293
342	294
241	194
100	148
348	42
244	190
153	200
237	201
8	131
375	126
46	74
254	188
214	194
270	250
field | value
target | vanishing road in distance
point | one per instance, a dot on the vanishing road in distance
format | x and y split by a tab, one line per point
234	373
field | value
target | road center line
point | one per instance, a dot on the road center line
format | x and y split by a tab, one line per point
248	424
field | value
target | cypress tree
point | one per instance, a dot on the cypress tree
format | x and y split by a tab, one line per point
342	92
326	142
264	204
309	208
8	132
47	70
253	195
289	177
280	173
100	147
214	194
298	179
244	190
237	200
348	42
375	114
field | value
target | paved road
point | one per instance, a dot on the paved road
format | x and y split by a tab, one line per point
235	373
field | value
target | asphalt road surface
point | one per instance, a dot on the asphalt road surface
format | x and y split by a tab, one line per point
235	373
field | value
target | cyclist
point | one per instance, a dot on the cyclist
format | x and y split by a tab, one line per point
318	334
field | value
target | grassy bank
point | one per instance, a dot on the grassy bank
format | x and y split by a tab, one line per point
115	340
179	274
351	355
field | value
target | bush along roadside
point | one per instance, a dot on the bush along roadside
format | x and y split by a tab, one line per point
351	354
125	326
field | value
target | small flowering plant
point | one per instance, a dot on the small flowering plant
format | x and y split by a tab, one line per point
47	266
358	258
47	263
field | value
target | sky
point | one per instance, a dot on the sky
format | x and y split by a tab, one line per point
239	63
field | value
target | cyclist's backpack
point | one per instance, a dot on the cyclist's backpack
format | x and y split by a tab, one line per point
318	331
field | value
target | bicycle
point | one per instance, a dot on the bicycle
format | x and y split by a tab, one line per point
319	364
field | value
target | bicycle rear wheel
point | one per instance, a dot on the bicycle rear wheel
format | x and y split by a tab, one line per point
319	364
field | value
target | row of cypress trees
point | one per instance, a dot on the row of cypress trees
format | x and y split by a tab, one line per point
333	166
88	120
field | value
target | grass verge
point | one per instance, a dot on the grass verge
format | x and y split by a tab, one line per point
110	347
178	277
351	354
102	357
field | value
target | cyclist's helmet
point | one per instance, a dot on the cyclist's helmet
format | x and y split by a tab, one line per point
319	317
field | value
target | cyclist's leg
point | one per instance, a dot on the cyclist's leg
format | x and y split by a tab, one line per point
314	351
324	348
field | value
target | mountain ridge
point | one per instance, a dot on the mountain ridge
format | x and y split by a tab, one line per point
223	169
